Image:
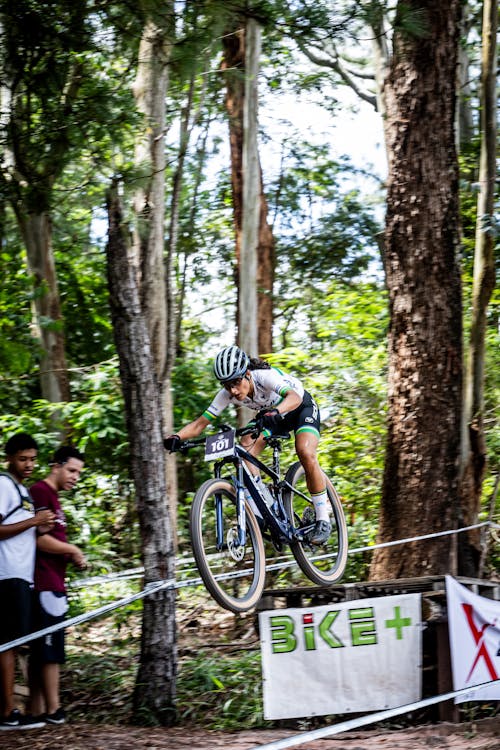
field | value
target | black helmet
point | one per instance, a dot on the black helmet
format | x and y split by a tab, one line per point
230	363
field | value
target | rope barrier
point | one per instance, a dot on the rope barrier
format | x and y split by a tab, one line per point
155	587
362	721
138	572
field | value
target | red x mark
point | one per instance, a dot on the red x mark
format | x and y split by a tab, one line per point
478	635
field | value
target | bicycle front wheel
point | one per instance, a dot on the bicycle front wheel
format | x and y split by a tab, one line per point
234	574
326	564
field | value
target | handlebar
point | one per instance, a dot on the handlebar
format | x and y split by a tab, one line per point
250	429
195	442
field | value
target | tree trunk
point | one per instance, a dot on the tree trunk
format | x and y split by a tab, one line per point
473	433
37	235
241	83
150	89
421	477
156	679
247	286
157	291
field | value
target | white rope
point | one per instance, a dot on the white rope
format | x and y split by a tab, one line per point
155	587
362	721
189	560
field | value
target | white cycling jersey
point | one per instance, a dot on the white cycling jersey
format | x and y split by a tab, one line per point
270	388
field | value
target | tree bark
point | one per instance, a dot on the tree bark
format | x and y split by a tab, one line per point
154	265
150	89
239	83
473	432
421	478
156	679
36	230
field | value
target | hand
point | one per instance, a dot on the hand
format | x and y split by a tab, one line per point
78	559
268	418
172	443
44	520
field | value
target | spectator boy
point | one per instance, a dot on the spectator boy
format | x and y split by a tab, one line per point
18	525
53	554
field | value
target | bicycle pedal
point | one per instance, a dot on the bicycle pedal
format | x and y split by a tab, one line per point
308	517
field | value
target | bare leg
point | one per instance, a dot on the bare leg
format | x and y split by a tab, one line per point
50	679
255	447
7	674
306	444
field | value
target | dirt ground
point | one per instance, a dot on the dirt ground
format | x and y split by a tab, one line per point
482	735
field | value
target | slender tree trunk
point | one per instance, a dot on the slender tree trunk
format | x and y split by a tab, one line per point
247	287
242	83
473	433
37	235
154	268
156	680
150	90
421	476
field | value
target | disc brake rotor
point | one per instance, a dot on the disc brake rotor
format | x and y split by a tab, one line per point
236	550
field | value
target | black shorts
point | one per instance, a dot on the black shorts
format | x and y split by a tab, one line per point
15	597
305	418
50	608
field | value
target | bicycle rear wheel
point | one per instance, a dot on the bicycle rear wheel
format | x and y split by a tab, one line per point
233	574
325	564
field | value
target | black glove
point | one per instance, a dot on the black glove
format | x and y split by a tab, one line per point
269	418
172	443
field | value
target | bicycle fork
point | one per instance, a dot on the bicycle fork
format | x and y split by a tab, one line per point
232	540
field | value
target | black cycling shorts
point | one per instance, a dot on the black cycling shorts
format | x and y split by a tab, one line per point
305	418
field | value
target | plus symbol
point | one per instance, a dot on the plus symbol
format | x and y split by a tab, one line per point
398	623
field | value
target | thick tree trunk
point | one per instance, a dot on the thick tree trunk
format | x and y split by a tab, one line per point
156	679
239	80
473	432
37	235
421	478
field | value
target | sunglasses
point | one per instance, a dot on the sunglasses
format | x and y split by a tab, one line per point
229	384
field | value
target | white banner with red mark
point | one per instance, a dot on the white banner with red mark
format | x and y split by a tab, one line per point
474	625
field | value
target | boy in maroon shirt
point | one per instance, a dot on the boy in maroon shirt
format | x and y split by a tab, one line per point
52	556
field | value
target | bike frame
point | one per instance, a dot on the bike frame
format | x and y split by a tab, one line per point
278	523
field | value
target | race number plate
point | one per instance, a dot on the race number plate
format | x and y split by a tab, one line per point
220	445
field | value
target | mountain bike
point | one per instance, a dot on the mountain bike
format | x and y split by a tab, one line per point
234	512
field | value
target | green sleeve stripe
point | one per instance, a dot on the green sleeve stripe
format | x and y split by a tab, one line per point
209	416
283	391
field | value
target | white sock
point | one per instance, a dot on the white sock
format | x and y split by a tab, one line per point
320	502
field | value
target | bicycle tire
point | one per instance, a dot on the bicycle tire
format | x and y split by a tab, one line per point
326	564
235	584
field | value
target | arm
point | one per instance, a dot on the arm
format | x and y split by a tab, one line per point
291	401
193	429
54	546
42	518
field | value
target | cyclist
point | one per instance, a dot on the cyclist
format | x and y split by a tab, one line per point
282	404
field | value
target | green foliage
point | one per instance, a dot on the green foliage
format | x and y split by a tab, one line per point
225	687
18	347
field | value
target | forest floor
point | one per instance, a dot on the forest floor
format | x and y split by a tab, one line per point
481	735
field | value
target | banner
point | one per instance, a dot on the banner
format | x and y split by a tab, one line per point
362	655
474	626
